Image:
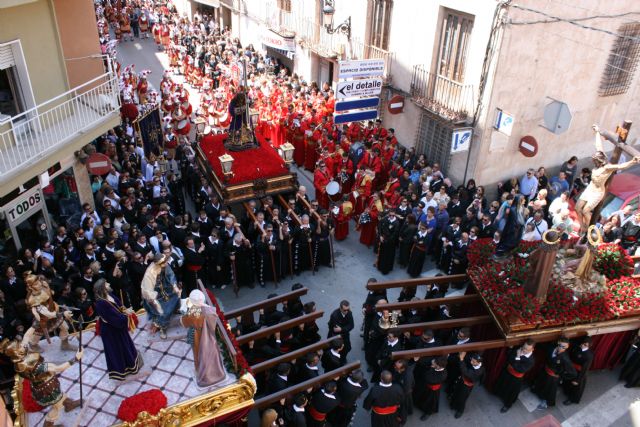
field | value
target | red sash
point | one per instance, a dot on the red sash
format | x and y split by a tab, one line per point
550	372
194	267
577	366
514	372
467	382
318	416
386	410
434	387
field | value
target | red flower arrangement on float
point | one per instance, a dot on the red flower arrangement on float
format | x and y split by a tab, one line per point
150	401
501	286
612	261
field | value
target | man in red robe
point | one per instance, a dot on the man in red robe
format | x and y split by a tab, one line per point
321	178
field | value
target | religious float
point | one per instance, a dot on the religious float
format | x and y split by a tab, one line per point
165	392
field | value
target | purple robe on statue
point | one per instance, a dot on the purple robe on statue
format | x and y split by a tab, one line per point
206	354
122	357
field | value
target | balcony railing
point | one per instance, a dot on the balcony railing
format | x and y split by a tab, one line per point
440	95
35	133
315	37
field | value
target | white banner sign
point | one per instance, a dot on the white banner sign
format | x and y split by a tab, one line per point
461	139
275	40
361	68
24	204
504	122
357	88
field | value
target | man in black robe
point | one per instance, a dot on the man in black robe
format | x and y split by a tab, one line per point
558	366
332	357
427	392
308	368
519	362
349	391
471	374
341	323
630	372
582	358
383	355
194	260
279	379
303	246
215	260
267	247
418	251
388	233
462	336
239	254
295	415
322	245
321	404
402	373
384	400
425	341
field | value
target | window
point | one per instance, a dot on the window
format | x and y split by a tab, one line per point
380	23
454	43
622	62
284	5
10	99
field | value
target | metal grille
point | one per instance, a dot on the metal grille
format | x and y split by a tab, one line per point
434	140
622	62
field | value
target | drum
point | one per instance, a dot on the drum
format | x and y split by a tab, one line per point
333	191
356	151
183	127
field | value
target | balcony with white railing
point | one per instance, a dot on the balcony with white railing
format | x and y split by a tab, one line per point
447	98
34	134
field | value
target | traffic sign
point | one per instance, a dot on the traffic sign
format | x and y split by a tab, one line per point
461	139
361	68
355	117
396	104
359	88
528	146
357	104
98	164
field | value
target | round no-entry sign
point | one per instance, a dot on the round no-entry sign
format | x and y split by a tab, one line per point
528	146
396	104
98	164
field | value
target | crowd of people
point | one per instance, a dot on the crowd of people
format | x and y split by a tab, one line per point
403	206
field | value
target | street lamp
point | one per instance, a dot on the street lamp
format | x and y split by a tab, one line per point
327	20
286	152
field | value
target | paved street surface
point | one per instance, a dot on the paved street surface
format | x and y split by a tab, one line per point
605	401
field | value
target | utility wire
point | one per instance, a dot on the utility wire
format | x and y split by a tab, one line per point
553	19
558	19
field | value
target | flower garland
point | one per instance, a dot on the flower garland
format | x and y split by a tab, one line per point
150	401
612	261
623	295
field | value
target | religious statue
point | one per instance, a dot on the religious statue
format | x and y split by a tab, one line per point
160	294
122	357
595	191
47	316
43	376
201	320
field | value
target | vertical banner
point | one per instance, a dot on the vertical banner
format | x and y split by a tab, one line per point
150	131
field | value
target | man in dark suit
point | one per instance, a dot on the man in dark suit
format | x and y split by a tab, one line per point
486	228
279	380
341	323
332	358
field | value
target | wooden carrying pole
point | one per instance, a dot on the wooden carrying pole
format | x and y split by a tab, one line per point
426	303
455	278
283	326
284	204
291	391
301	352
444	324
270	302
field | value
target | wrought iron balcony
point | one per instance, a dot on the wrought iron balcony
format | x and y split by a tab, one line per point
36	133
447	98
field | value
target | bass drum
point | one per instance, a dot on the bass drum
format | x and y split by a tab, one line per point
356	151
333	191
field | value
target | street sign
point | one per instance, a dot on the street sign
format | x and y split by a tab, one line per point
355	117
359	88
528	146
504	122
461	139
361	68
357	104
396	104
98	164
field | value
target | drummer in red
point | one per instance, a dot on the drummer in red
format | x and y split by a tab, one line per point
321	179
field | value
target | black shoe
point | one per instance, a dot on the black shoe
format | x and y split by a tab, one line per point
504	409
628	386
424	417
458	414
567	402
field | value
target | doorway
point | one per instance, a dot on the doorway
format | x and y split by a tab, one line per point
32	230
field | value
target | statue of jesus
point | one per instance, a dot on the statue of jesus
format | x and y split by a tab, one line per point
595	191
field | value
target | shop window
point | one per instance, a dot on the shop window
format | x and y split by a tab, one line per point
622	62
454	43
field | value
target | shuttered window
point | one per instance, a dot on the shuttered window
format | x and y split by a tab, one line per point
454	43
6	57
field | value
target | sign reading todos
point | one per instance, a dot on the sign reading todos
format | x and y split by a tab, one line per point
272	39
361	68
360	88
26	203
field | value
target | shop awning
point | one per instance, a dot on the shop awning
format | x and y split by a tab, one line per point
276	41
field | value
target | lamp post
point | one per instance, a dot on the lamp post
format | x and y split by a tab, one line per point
286	152
327	20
